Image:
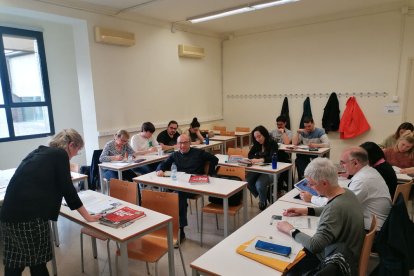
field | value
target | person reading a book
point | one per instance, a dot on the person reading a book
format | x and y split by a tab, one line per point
189	160
117	149
33	197
262	151
194	132
341	220
402	154
168	138
311	136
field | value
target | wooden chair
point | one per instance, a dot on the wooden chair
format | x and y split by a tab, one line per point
227	133
217	209
405	190
123	190
220	128
242	129
151	247
74	167
234	151
366	248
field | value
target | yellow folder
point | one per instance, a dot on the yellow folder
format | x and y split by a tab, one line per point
274	263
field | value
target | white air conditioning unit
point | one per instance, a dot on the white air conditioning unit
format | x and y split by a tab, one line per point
114	37
190	51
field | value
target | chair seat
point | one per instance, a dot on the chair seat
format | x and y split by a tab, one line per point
94	234
149	248
218	209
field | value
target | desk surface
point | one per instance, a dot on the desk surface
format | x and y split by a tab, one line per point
210	145
148	159
222	138
223	259
281	166
150	221
217	187
302	149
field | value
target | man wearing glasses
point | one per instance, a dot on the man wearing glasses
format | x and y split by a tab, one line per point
189	160
168	138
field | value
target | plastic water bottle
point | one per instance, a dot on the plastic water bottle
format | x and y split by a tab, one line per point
274	161
207	140
173	172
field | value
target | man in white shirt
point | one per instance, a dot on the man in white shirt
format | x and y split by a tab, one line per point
143	143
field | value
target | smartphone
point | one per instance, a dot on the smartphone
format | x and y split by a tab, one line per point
276	217
273	248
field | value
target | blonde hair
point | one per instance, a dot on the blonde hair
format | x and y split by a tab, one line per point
65	137
121	133
409	139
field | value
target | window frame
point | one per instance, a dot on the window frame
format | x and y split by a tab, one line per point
5	84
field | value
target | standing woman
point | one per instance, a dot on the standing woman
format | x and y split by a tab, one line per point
33	197
262	150
402	154
194	132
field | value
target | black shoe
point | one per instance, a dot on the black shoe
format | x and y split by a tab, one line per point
262	205
182	235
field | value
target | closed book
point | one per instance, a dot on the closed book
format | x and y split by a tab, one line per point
121	217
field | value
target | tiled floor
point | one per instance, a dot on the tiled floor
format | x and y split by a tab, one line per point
69	260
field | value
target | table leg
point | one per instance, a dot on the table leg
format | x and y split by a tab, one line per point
101	179
245	204
290	179
241	142
226	215
195	272
124	259
274	187
235	143
55	233
171	267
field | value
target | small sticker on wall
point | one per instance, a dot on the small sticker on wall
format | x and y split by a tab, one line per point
392	109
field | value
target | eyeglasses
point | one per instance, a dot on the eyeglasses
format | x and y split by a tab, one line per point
342	162
184	142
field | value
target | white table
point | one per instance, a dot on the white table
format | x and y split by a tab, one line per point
224	140
241	135
210	146
267	169
150	223
302	149
223	258
217	187
123	166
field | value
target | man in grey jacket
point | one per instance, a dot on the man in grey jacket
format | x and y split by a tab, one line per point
341	219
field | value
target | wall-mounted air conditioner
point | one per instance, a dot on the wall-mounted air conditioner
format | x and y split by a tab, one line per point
190	51
114	37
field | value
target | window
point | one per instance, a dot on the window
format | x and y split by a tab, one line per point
25	105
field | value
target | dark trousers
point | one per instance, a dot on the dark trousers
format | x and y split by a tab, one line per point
309	262
36	270
182	205
301	162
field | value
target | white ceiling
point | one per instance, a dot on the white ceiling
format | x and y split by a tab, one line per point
178	11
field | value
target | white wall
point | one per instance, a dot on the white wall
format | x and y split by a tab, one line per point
359	54
99	89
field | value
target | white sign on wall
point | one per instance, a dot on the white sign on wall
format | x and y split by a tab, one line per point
392	108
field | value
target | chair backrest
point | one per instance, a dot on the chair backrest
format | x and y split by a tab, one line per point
219	128
165	203
404	189
94	170
239	172
245	152
243	129
234	151
366	247
227	133
123	190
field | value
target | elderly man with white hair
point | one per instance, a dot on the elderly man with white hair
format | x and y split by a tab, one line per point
341	219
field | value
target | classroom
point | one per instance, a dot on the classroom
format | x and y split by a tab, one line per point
363	49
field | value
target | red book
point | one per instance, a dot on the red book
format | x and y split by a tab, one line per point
122	217
199	179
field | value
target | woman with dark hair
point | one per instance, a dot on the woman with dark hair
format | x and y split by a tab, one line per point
194	132
376	159
33	197
262	150
405	128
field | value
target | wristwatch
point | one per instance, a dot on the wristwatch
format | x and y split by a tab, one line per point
293	232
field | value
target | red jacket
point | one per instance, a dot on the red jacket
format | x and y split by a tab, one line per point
353	121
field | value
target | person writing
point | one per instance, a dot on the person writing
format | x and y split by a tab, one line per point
33	197
341	219
404	129
312	137
194	132
262	151
191	161
168	138
281	134
144	142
